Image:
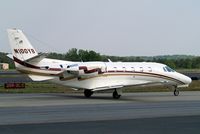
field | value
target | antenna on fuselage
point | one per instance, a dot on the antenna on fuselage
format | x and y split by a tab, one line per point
109	60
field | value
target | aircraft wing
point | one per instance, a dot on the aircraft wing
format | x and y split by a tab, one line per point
108	87
144	83
37	58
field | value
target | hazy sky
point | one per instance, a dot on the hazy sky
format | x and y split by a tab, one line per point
112	27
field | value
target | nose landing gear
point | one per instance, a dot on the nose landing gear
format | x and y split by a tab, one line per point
176	92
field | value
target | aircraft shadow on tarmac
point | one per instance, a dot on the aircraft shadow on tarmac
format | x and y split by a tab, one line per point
130	98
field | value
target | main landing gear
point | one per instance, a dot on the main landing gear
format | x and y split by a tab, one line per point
175	90
88	93
116	95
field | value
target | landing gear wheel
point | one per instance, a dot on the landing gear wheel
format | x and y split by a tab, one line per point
176	92
116	95
88	93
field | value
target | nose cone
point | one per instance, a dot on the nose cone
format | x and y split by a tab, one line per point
184	79
187	80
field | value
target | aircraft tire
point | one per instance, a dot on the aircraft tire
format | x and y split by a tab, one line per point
88	93
116	95
176	92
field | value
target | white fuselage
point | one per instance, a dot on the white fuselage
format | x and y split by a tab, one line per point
86	75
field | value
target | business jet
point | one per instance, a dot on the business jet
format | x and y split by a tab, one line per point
91	76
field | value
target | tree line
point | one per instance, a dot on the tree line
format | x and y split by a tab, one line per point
174	61
74	54
5	59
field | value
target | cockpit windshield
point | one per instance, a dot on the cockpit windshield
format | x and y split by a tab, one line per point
168	69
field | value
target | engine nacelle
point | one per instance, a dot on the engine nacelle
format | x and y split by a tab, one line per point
84	71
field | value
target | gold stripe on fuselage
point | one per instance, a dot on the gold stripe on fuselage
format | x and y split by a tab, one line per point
106	74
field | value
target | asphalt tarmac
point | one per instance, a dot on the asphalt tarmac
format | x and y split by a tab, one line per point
72	113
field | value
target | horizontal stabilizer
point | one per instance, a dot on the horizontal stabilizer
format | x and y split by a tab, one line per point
10	56
37	58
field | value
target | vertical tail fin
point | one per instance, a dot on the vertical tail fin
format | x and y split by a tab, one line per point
21	47
25	57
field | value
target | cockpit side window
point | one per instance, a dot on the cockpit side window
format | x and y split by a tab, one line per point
164	69
168	69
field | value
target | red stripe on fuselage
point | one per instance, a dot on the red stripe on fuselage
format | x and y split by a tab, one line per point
24	63
33	66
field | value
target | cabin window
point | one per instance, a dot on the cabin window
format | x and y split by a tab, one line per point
124	69
141	69
149	69
132	69
61	66
115	69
